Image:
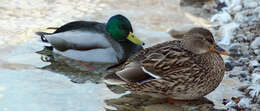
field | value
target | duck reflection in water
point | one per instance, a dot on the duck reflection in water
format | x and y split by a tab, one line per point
76	71
135	102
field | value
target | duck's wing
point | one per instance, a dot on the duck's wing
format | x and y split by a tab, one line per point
82	25
78	40
156	62
79	35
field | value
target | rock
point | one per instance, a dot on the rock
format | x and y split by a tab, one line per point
254	64
195	3
257	10
238	50
228	66
232	75
221	5
244	61
256	70
239	38
257	51
237	8
225	101
256	43
249	3
235	62
243	75
199	8
242	26
255	107
227	31
250	37
239	17
222	17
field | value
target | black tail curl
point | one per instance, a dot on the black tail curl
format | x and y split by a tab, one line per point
42	36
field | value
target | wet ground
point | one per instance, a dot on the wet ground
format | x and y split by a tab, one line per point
32	81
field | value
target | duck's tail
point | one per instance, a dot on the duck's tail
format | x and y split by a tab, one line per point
42	34
112	79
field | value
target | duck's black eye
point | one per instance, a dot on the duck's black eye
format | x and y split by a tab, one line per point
121	27
210	41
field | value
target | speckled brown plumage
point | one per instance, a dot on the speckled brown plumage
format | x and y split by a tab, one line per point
181	73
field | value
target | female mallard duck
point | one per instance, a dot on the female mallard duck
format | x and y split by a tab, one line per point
112	42
184	69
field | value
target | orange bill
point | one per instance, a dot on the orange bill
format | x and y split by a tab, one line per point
216	48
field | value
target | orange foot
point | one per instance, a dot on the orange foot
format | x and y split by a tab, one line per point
174	101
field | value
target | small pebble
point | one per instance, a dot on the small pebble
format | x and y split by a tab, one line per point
228	66
256	43
232	75
243	75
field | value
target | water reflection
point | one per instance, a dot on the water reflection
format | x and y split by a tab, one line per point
134	102
77	71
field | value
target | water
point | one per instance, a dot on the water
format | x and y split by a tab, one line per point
28	83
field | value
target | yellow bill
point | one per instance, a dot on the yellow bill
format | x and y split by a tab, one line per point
134	39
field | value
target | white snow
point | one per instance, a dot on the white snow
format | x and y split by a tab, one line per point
254	63
222	18
250	3
256	43
244	103
233	5
227	32
255	87
230	104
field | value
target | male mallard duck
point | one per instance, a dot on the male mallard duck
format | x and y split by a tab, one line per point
112	42
184	69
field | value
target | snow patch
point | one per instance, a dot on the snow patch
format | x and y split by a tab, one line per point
255	87
227	32
222	17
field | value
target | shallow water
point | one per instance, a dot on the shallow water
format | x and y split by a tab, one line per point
30	83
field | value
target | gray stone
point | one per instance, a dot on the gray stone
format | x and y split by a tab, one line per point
254	63
229	66
256	70
244	60
239	17
243	25
238	49
257	10
237	8
256	43
250	37
196	3
257	51
249	3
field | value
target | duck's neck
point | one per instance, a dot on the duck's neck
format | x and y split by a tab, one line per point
129	49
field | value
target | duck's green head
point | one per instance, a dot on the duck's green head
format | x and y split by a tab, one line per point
120	28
